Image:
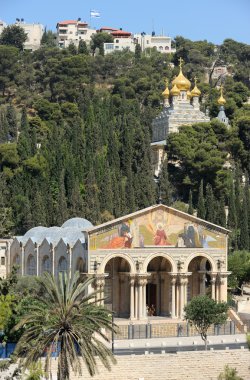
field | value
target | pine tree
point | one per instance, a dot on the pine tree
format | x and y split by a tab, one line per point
190	203
201	210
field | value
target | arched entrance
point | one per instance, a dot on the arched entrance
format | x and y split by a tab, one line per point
117	287
158	289
199	282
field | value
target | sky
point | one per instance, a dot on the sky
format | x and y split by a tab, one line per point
212	20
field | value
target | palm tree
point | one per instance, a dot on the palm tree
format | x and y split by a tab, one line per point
69	320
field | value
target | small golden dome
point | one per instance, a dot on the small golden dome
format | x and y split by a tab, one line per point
175	91
181	81
165	93
195	91
221	101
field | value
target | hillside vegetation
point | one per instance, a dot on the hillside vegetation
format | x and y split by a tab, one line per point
75	133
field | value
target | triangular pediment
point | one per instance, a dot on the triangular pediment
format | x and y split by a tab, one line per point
157	225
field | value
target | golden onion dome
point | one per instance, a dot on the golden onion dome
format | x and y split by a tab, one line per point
221	101
181	81
175	91
165	93
195	91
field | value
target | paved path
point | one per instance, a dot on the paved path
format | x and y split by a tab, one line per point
240	339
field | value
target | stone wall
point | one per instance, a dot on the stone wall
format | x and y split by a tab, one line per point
180	366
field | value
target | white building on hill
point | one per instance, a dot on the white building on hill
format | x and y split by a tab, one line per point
34	33
72	31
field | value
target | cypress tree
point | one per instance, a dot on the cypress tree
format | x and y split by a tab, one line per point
190	203
232	215
210	204
91	198
221	215
201	210
244	233
165	186
62	208
12	122
82	48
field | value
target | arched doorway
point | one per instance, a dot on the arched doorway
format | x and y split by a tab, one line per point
116	288
158	289
199	282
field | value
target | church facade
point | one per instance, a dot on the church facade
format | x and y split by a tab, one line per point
181	107
149	263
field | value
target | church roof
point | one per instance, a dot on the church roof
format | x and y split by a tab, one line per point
70	232
77	223
160	206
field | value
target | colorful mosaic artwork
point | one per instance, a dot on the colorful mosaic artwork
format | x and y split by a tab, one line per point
157	228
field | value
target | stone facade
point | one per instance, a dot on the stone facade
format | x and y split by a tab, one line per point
149	263
4	256
149	279
195	365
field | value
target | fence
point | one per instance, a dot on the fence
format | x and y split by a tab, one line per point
165	330
6	349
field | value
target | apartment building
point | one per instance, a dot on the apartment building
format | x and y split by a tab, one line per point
122	40
34	33
72	31
160	43
126	40
2	25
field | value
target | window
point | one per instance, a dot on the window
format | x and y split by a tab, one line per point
117	41
160	48
109	46
2	260
62	265
166	47
46	264
31	265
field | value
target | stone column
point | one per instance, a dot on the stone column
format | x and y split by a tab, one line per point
53	259
158	293
178	297
202	283
140	300
22	260
173	305
136	300
70	260
37	259
132	298
213	284
223	286
144	283
100	282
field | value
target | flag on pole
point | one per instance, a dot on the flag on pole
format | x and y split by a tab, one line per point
95	14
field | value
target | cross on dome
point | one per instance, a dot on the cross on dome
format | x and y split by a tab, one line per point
181	62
